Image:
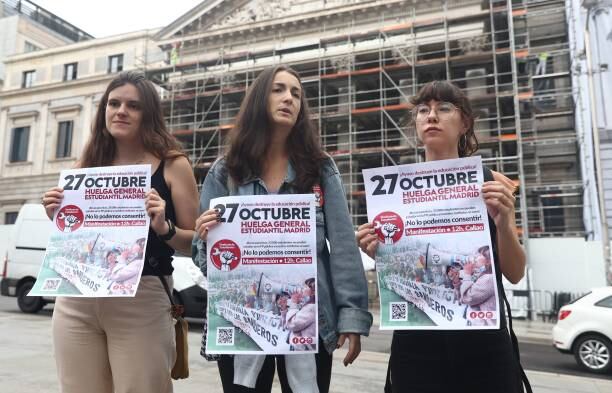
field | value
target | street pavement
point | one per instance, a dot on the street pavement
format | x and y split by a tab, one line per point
27	363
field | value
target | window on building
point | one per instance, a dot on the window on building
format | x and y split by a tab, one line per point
70	71
64	139
30	47
10	218
115	63
19	144
554	214
28	79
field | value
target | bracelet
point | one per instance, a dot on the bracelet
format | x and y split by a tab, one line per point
171	231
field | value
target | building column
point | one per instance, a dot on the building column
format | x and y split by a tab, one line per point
42	138
4	139
87	118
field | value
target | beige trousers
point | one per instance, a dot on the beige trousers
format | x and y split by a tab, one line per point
121	345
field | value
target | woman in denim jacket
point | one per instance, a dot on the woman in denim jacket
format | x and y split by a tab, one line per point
274	149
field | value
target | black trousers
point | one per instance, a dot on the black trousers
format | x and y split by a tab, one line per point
266	376
453	361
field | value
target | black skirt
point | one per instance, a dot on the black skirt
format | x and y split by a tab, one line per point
453	362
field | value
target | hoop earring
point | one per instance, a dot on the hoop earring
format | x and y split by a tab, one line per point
463	142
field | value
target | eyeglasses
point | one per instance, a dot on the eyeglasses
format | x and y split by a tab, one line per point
443	109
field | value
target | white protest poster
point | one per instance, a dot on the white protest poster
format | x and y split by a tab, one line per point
434	261
98	245
262	276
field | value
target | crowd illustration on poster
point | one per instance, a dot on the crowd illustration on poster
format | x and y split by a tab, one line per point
262	276
99	240
435	262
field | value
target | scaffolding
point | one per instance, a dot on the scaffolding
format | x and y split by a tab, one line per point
510	57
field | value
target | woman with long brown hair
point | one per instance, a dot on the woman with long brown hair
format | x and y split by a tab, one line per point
106	345
474	360
274	149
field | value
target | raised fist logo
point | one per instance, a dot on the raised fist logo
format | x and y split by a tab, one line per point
69	221
225	255
388	230
226	258
389	227
69	218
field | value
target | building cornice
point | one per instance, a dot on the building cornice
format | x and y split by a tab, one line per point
17	115
51	87
66	108
81	46
29	179
289	20
189	17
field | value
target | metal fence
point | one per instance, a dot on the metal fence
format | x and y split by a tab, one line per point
534	304
524	304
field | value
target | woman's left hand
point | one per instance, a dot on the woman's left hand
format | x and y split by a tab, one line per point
500	202
503	179
354	346
156	209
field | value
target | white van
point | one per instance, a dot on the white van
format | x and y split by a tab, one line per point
25	243
25	250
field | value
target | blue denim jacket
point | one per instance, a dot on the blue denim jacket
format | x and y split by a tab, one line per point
342	287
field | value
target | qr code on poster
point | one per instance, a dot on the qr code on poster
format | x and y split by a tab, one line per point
51	284
398	311
225	336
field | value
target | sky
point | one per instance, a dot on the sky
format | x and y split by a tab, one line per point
103	18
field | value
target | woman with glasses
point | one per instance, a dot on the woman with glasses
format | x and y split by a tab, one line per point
476	360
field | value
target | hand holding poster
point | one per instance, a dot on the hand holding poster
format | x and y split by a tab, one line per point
262	270
434	261
100	237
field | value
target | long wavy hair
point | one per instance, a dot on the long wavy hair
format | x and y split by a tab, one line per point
446	91
250	138
101	148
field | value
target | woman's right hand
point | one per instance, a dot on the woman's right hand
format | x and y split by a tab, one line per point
367	239
207	220
52	199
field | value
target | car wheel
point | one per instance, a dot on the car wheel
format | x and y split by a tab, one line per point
28	304
594	353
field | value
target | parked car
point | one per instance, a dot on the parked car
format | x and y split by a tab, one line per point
584	328
25	249
190	287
